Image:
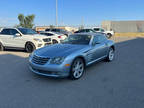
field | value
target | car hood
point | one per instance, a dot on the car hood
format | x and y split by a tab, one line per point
39	36
59	50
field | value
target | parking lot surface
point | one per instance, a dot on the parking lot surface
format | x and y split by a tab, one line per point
118	84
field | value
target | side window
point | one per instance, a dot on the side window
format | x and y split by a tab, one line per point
5	32
102	38
99	39
58	30
54	30
47	30
102	30
13	31
95	40
87	30
82	31
97	29
49	34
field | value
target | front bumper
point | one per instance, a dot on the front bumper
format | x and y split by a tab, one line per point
50	70
42	44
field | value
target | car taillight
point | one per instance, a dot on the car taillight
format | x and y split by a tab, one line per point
59	36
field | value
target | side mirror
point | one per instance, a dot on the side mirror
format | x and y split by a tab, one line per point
18	34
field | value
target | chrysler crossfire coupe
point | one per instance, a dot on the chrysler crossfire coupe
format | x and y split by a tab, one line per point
72	56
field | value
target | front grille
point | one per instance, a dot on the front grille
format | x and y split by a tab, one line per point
39	60
47	40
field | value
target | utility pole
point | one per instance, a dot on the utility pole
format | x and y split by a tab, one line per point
56	13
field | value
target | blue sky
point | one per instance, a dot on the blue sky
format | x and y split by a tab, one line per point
71	12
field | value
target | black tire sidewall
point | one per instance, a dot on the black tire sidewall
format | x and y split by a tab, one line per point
54	41
109	35
32	46
72	73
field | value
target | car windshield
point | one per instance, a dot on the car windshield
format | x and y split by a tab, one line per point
26	31
78	39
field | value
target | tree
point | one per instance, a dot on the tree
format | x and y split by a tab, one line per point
26	21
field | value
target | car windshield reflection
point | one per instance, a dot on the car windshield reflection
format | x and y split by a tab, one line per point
77	39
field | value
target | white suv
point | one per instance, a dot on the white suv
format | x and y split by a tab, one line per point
108	33
22	38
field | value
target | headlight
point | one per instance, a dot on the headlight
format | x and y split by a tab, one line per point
38	40
58	60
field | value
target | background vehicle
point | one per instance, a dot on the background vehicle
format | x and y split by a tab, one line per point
85	31
55	38
61	31
22	38
108	33
72	56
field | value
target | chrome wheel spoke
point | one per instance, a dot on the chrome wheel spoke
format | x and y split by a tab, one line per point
78	69
111	55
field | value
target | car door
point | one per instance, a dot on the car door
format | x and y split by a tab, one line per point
6	38
99	47
17	40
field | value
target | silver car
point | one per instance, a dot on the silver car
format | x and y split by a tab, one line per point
72	56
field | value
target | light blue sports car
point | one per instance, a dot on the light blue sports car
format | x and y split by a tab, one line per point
72	56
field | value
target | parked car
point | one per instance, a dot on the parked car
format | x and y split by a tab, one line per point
22	38
55	38
108	33
61	31
72	56
85	31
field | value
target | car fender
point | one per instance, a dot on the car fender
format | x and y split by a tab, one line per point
110	43
1	42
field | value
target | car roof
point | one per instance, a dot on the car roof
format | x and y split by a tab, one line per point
52	32
92	34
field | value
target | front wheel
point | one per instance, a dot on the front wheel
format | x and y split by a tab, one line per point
111	54
77	69
29	47
54	41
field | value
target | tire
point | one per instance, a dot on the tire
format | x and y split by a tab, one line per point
54	41
29	47
110	56
109	35
1	47
77	69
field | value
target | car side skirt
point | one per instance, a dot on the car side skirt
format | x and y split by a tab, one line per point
101	58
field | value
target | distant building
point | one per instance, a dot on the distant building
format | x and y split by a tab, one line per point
124	26
42	28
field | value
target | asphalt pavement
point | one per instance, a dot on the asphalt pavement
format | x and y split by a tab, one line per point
118	84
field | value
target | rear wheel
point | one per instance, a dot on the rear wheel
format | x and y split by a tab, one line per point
1	47
54	41
111	54
77	69
29	47
109	35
